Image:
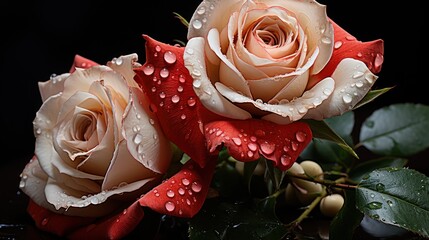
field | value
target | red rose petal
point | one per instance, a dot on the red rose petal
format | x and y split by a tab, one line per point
183	194
114	227
58	224
247	139
347	46
81	62
168	85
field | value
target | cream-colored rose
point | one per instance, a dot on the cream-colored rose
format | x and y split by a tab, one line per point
97	143
262	58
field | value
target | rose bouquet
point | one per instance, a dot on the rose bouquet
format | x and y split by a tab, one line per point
242	131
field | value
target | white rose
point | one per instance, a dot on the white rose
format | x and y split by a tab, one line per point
98	146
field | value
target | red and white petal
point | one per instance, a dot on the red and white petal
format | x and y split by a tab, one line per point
247	140
184	193
169	89
353	80
347	46
145	140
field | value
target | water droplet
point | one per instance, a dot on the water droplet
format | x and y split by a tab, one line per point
327	91
338	44
181	191
175	99
372	195
237	141
374	205
191	102
148	69
188	201
162	94
390	203
267	148
347	98
375	216
196	83
285	159
300	136
357	74
201	10
170	193
180	89
164	73
182	79
294	146
170	57
22	184
183	117
369	124
185	181
158	48
326	40
140	149
252	146
138	138
124	212
359	84
190	51
169	206
350	38
379	187
378	61
45	221
197	24
118	61
369	78
196	187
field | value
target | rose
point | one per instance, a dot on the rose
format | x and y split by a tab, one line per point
280	60
98	148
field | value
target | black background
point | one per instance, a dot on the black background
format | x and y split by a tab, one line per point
42	38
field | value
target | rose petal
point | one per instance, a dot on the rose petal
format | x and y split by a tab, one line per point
52	87
124	65
284	113
173	99
347	46
145	140
183	194
81	62
117	226
247	140
352	82
58	224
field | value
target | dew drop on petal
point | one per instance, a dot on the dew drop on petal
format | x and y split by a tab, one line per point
326	40
359	54
138	138
175	99
300	136
196	187
185	181
338	44
158	48
164	73
170	57
196	83
197	24
252	146
267	148
191	102
237	141
181	191
169	206
170	193
347	98
45	221
182	79
378	61
148	69
357	74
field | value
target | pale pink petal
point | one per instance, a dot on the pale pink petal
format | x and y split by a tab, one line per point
53	86
353	80
204	89
125	169
145	140
124	65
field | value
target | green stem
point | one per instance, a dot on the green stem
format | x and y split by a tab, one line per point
339	183
310	208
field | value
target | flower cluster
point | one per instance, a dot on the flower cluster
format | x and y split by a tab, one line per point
254	78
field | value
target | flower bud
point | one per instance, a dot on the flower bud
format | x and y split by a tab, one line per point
331	204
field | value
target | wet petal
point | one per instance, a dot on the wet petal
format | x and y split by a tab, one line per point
347	46
81	62
183	194
353	80
247	140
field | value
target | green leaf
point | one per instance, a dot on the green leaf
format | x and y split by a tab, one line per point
249	168
343	124
371	95
363	169
328	151
222	220
396	196
322	130
347	220
397	130
181	19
